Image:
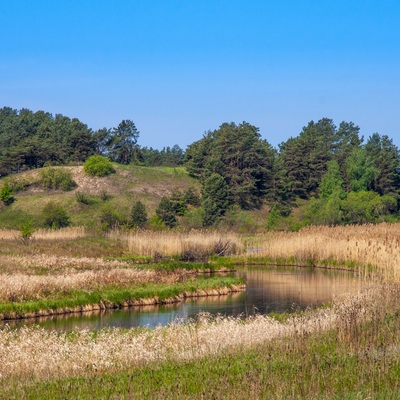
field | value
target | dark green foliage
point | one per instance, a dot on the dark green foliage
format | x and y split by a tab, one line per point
54	216
139	217
6	194
29	140
306	157
121	144
214	199
166	211
98	166
239	155
168	157
385	159
191	197
57	178
347	139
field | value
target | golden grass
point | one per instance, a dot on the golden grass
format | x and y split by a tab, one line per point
373	245
44	354
169	243
19	287
68	233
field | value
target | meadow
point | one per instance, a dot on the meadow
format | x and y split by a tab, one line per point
349	349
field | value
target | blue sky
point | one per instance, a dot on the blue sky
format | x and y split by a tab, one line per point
180	68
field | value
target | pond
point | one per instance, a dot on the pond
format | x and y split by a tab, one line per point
268	290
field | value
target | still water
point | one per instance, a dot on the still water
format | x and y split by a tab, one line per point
268	290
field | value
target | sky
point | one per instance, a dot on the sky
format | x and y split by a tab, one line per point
179	68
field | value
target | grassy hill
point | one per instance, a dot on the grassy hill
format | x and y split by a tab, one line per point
118	191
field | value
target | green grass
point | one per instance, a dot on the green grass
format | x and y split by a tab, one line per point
129	184
114	295
316	366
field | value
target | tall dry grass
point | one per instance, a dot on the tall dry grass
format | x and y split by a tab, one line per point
170	243
47	234
365	245
19	287
44	354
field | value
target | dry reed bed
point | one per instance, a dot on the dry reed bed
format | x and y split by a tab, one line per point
147	243
20	287
46	354
56	264
377	245
68	233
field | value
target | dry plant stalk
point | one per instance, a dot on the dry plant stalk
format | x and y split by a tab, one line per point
18	287
374	245
44	354
167	243
68	233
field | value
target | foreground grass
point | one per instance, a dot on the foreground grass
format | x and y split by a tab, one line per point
321	365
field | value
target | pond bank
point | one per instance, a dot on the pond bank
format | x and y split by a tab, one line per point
127	303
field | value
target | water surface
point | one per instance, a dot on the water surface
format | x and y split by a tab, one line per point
268	290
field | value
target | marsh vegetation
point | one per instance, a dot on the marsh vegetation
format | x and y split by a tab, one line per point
350	347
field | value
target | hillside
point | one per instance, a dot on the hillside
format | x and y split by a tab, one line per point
118	191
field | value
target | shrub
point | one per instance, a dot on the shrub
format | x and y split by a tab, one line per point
138	215
27	230
98	166
156	223
54	216
6	194
109	218
57	178
82	198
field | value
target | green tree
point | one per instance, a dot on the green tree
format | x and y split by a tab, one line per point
122	146
240	156
167	212
139	217
214	199
306	157
347	139
360	171
385	158
332	181
6	194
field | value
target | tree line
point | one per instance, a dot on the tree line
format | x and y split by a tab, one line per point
345	178
35	139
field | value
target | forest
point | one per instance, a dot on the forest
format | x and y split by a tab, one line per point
340	176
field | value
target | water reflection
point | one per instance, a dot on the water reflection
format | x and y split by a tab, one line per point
268	290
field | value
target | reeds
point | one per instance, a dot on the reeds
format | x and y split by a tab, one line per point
365	246
68	233
169	243
42	354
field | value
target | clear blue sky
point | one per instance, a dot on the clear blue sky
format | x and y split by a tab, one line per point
180	68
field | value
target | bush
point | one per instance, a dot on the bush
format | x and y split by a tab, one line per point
98	166
54	216
6	194
27	230
57	178
156	223
109	218
138	215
